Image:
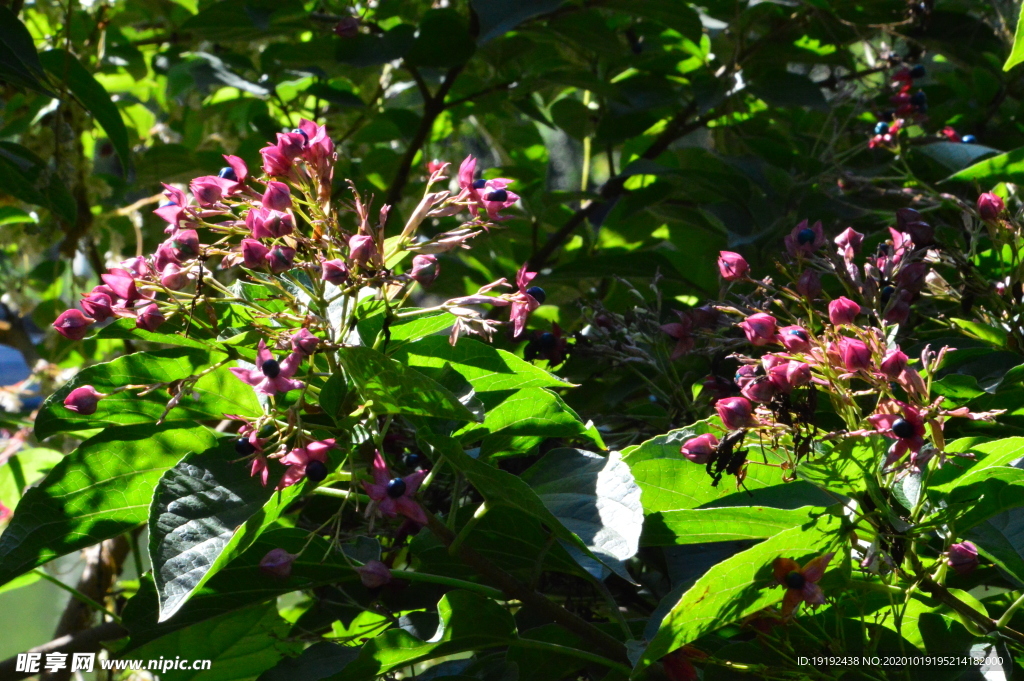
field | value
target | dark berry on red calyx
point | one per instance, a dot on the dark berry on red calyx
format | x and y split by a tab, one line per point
919	98
881	128
479	184
167	203
887	295
499	195
316	471
547	341
300	131
903	429
888	115
805	236
968	139
918	71
228	174
795	580
799	333
396	488
244	447
537	293
412	459
271	368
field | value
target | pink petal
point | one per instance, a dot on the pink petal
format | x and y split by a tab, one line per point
262	354
413	482
411	510
381	474
247	375
290	364
296	457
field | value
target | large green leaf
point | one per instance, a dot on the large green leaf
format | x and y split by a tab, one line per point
99	491
982	494
1001	540
219	392
27	177
468	622
395	388
1008	167
500	16
735	588
673	13
19	62
985	454
593	496
698	526
501	488
239	645
485	367
199	508
1017	52
241	583
957	156
530	411
66	68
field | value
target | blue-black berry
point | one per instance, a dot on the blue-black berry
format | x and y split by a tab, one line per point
167	203
316	471
396	488
479	184
968	139
919	98
271	368
547	341
903	429
881	128
244	447
537	293
302	132
228	174
497	195
412	460
795	580
918	71
887	295
805	236
799	333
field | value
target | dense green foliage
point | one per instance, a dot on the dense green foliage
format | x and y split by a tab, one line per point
437	493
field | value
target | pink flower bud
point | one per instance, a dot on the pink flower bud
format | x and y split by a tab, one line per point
912	275
305	342
842	310
921	233
208	190
269	224
699	449
990	206
898	310
425	269
98	303
854	354
72	324
122	282
795	338
894	363
792	374
374	574
334	272
149	318
849	238
717	386
83	400
759	390
759	328
277	563
732	266
809	285
173	278
277	197
275	163
905	216
291	144
164	256
254	254
280	259
735	412
361	248
963	557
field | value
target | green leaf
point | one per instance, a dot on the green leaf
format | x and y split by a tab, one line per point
219	392
241	583
531	411
485	367
245	20
986	454
25	468
786	89
981	494
1001	540
1008	167
373	50
984	332
27	177
396	388
698	526
99	491
500	488
956	155
316	662
1017	51
442	41
19	61
68	70
593	496
500	16
735	588
239	645
199	507
672	13
468	622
